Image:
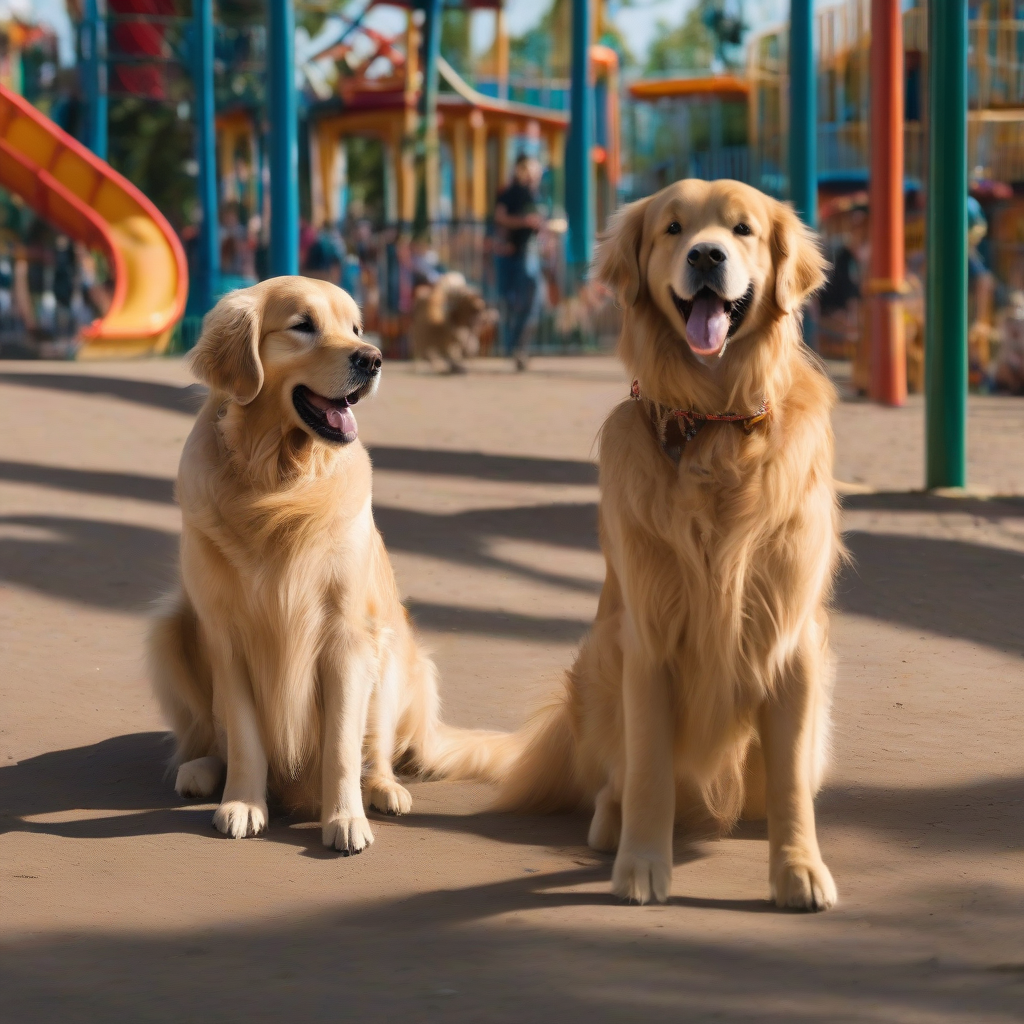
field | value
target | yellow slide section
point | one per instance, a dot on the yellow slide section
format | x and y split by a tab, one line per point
88	200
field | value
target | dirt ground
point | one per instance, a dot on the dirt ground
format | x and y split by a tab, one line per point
118	901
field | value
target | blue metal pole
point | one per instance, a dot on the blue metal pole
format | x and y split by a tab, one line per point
579	170
803	112
93	43
208	277
284	140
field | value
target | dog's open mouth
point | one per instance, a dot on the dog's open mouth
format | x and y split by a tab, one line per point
331	418
710	320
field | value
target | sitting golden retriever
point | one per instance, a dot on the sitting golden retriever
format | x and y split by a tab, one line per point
705	684
286	655
446	322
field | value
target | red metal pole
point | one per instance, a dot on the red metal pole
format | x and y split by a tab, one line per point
886	283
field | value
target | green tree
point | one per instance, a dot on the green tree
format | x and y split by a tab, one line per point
711	30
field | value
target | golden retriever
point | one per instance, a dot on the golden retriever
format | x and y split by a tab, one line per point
705	683
286	656
447	319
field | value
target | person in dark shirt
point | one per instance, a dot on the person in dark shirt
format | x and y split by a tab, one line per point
518	220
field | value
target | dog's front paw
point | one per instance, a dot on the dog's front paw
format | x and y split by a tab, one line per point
641	877
347	834
803	885
388	796
239	818
200	777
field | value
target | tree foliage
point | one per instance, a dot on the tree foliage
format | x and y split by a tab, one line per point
708	37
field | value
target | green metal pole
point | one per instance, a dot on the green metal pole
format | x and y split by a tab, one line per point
946	319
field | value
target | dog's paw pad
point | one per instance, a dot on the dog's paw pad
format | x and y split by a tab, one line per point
239	818
347	835
804	886
389	797
639	878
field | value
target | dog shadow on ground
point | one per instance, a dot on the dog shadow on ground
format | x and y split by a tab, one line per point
125	780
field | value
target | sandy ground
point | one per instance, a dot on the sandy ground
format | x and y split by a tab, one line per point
119	902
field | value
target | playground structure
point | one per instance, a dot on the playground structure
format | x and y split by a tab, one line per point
448	147
438	126
439	189
692	127
86	198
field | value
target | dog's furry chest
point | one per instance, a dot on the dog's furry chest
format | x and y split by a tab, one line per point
718	575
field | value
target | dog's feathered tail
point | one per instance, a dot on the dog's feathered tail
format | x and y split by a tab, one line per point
535	768
181	677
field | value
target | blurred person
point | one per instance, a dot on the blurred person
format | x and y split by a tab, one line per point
980	296
1008	374
6	283
424	263
95	295
325	256
518	219
64	287
237	244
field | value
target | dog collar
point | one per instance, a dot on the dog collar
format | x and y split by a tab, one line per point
689	421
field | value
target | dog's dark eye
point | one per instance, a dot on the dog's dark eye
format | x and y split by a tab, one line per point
674	228
304	326
741	229
357	330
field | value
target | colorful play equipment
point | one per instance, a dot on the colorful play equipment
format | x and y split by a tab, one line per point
693	127
87	199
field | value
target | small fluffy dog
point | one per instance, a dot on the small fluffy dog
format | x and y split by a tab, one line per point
286	656
447	319
705	684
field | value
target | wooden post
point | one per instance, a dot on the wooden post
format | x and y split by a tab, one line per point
460	157
406	163
501	52
886	286
480	197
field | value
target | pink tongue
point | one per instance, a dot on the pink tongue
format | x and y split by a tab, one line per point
342	419
708	325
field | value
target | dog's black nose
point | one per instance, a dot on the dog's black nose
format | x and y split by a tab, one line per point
367	360
705	256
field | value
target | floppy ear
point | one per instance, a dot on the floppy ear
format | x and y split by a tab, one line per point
799	262
227	356
618	259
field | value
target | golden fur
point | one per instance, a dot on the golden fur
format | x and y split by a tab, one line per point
705	683
446	322
286	656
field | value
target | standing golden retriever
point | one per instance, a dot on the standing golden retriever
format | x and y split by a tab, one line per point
286	655
705	682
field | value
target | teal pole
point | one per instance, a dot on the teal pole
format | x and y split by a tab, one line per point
946	316
803	112
208	269
579	171
93	43
284	140
428	109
